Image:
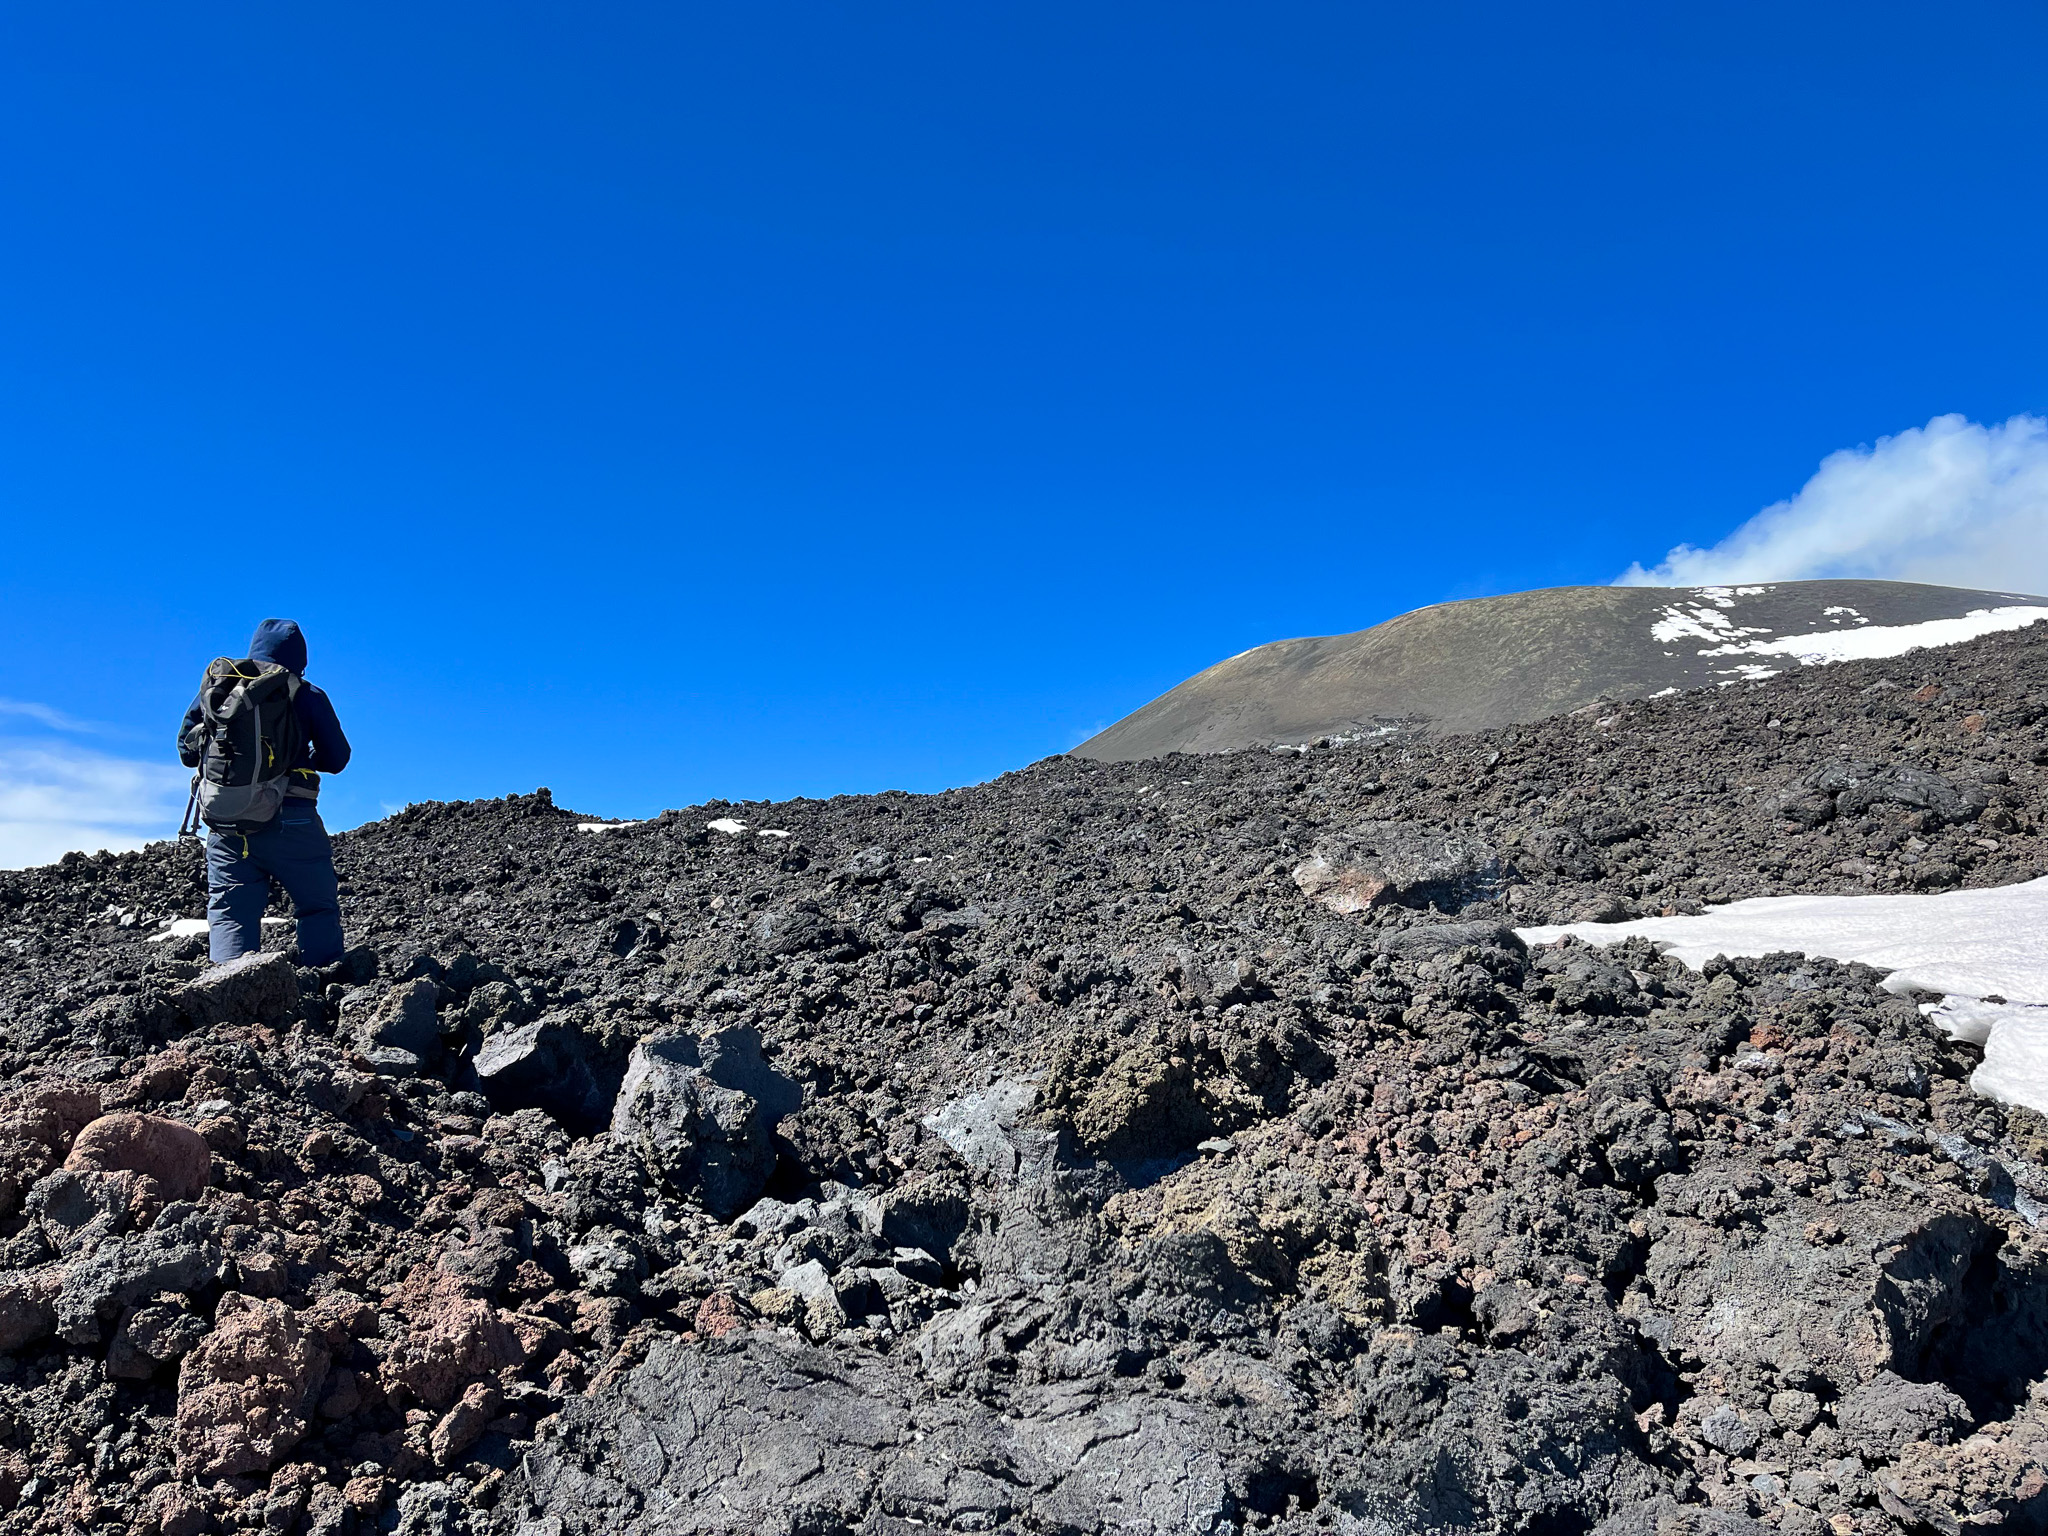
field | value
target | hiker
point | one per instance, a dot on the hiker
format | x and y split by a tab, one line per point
261	736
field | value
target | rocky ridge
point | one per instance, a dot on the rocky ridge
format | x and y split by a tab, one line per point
1178	1145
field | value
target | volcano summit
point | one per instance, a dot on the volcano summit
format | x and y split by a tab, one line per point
1494	661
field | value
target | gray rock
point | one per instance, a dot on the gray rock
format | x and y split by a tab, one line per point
1726	1430
987	1129
430	1509
1400	863
1633	1128
774	1435
732	1058
404	1019
1432	939
768	1218
28	1312
607	1263
391	1061
257	988
1797	1411
823	1312
798	931
955	1341
150	1337
916	1264
1665	1516
683	1108
951	924
1607	907
869	867
1581	980
929	1213
1857	786
544	1065
1887	1413
78	1209
180	1253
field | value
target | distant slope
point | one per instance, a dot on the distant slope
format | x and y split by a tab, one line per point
1500	660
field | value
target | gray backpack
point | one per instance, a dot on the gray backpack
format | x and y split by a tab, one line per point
247	735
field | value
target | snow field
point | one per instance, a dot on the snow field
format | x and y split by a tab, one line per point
1885	639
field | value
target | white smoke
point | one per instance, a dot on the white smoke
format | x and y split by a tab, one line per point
1952	503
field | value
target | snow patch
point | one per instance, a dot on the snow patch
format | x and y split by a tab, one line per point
1886	639
1698	622
604	826
1725	596
2015	1069
1986	950
726	825
771	832
179	928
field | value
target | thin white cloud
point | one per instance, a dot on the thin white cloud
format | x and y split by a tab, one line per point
1952	503
55	719
56	797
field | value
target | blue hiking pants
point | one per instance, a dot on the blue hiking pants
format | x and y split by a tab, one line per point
295	852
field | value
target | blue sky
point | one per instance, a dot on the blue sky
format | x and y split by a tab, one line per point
661	402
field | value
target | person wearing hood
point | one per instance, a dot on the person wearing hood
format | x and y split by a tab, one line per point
294	849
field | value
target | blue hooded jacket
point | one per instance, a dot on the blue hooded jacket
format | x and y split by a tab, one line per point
326	749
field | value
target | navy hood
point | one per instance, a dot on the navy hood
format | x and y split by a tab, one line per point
279	641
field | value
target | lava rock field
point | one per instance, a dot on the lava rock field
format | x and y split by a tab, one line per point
1163	1146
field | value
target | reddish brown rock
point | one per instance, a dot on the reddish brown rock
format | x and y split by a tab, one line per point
364	1495
720	1313
223	1133
344	1395
1999	1478
52	1112
464	1424
454	1341
247	1390
164	1077
35	1129
180	1512
338	1316
14	1475
174	1155
263	1274
539	1336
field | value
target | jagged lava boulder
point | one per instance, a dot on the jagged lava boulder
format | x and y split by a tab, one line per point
702	1113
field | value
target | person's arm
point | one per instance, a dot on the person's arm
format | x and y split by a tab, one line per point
191	735
323	730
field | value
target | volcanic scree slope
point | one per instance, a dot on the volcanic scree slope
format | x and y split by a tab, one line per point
1159	1146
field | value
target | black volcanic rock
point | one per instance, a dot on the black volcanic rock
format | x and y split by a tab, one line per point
545	1065
1115	1182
